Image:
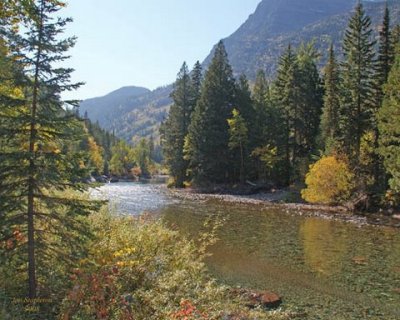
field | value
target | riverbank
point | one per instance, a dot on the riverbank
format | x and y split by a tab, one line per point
278	198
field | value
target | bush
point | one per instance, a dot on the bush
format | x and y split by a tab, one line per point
329	181
139	269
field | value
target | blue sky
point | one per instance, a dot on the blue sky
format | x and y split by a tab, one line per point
144	42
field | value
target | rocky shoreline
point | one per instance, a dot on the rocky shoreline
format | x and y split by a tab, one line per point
276	199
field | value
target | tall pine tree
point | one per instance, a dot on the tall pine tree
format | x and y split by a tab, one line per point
207	142
197	78
175	128
388	124
36	166
357	88
287	92
330	131
383	65
310	100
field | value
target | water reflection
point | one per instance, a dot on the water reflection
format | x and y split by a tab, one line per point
324	247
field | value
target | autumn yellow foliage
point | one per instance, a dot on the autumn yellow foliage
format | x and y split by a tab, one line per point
329	181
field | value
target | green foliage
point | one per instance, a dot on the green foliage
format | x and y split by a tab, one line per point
175	128
122	160
142	156
357	86
138	268
330	131
238	138
329	181
207	142
37	161
298	93
388	125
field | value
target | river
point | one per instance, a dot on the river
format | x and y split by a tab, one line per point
323	269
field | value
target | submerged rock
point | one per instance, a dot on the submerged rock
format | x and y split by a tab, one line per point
254	299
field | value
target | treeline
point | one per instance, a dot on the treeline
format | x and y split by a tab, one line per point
220	130
108	156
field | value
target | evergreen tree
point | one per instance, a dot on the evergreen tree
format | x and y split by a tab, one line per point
385	52
197	79
35	165
357	85
266	132
244	101
310	100
330	131
207	142
383	65
388	124
142	157
260	101
287	94
175	128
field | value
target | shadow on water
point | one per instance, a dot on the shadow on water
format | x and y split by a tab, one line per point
327	269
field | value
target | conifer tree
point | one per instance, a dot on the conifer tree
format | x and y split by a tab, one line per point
385	51
287	93
383	65
310	99
330	131
388	124
197	78
35	165
207	142
244	101
175	128
260	101
357	85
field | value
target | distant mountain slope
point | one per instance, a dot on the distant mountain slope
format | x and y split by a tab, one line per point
103	109
273	19
257	44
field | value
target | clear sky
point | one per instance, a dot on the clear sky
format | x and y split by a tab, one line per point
144	42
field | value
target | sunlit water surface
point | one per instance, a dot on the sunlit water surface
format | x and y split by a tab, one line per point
323	269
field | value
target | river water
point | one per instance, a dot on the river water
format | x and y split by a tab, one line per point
323	269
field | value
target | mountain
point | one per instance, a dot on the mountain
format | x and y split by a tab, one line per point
260	35
257	44
102	109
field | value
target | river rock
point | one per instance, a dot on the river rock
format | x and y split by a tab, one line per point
253	299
